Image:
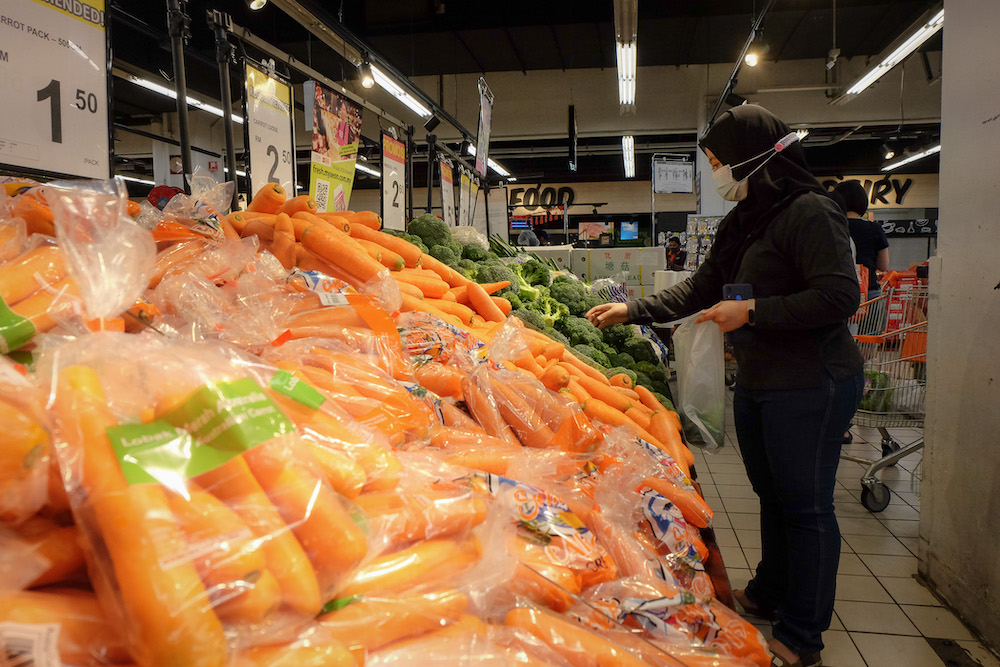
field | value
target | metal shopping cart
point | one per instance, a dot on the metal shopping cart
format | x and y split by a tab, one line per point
892	337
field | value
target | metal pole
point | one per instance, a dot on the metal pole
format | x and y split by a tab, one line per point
731	83
486	200
221	23
409	172
431	139
177	26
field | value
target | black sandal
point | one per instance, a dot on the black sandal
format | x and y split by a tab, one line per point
786	657
751	608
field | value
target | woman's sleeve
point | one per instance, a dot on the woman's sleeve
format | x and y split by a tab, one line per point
701	290
819	250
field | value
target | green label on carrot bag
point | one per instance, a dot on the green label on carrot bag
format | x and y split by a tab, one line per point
15	331
216	423
285	383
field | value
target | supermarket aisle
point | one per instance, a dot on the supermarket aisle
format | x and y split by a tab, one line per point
883	616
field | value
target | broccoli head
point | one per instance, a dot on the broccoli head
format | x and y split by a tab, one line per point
525	290
641	350
492	256
616	370
654	371
444	254
593	354
643	379
474	252
515	300
431	229
605	348
536	273
622	359
664	401
662	388
551	310
531	319
495	272
456	247
579	330
570	292
556	336
468	268
616	335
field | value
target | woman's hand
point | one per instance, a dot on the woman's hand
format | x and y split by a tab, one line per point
607	314
729	315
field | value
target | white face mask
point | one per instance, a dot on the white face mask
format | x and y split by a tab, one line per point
732	190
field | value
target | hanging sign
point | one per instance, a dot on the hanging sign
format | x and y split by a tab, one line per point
54	67
485	126
269	130
672	176
447	194
393	183
336	125
464	192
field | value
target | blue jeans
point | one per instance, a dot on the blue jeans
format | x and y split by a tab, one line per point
791	444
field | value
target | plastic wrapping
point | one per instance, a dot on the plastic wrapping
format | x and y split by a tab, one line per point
467	235
698	351
109	256
205	515
428	338
25	456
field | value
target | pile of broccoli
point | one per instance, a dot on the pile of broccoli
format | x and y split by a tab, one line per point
574	295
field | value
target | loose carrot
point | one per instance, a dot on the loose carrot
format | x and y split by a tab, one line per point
585	369
337	220
694	508
554	351
410	253
167	612
661	426
493	288
330	245
295	204
576	389
365	218
19	278
600	411
605	393
238	220
389	259
502	303
555	378
442	380
639	417
284	241
432	288
421	273
235	484
448	274
412	304
464	313
425	562
411	290
576	644
132	208
633	396
268	199
461	295
85	631
483	304
374	622
621	380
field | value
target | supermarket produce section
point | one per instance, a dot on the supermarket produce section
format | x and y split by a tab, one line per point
285	437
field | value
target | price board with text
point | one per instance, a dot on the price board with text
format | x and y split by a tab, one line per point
54	69
269	130
447	194
393	183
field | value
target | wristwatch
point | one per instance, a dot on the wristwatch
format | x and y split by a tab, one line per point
751	316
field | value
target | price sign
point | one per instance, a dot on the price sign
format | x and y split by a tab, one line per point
393	183
447	194
269	129
671	176
54	68
464	201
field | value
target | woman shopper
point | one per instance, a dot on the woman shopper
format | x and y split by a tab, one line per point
871	249
799	382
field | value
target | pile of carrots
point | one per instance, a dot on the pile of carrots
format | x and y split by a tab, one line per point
286	480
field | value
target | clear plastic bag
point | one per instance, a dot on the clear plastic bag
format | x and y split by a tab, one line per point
26	454
698	351
109	256
467	235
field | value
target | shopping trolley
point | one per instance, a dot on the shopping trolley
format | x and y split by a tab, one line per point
892	337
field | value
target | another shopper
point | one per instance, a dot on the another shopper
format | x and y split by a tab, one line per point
676	258
800	382
870	242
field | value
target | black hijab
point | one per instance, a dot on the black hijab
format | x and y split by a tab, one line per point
737	135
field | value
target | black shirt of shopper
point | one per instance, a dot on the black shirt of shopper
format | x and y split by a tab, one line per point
870	242
676	258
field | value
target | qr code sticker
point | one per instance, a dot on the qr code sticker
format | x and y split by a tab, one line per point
322	195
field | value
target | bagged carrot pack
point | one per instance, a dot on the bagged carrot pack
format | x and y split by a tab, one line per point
428	338
26	454
207	522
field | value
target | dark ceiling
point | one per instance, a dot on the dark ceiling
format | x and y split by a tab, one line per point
421	37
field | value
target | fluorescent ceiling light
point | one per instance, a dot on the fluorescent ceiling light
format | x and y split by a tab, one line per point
802	134
628	155
238	172
626	56
368	170
137	180
172	94
493	165
390	86
913	158
909	45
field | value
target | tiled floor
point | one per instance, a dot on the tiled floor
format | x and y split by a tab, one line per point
883	616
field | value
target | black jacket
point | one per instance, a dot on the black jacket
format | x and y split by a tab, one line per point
805	285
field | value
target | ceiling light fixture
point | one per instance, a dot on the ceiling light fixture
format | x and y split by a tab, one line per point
751	59
626	56
257	4
138	180
471	150
172	94
887	152
390	86
801	134
626	17
367	80
628	155
912	158
925	29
